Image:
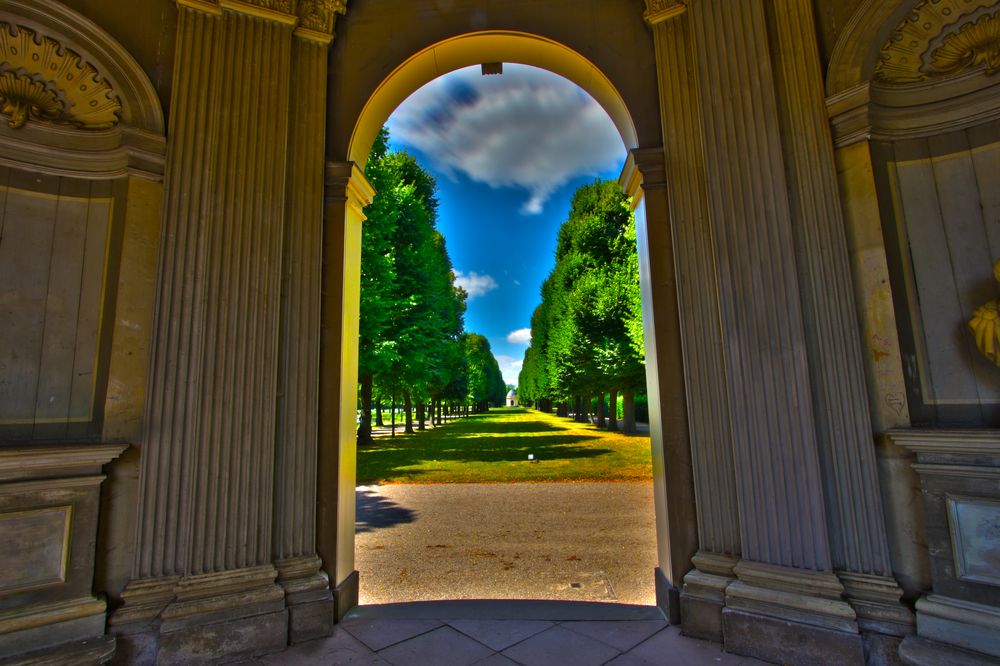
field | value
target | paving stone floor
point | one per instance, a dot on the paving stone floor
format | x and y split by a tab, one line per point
487	633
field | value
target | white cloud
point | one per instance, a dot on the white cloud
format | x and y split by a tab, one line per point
528	128
474	284
510	367
521	336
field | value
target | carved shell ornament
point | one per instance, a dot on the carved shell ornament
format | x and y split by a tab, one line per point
940	38
985	325
975	45
43	81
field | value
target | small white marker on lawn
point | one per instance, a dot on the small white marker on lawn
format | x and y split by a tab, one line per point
531	456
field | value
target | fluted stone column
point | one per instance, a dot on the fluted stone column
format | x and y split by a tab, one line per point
347	193
703	595
203	580
673	486
858	540
786	604
887	394
300	570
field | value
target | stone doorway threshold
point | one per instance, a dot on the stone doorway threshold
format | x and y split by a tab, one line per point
542	633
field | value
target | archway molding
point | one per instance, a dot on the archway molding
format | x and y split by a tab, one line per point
643	179
483	47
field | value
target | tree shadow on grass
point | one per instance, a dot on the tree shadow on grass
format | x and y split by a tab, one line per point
392	459
508	427
373	511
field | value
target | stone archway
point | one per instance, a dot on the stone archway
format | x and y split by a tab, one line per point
675	513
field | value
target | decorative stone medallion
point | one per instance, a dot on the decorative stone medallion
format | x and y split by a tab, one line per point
940	38
41	80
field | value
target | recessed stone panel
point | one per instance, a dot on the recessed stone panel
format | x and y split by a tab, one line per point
35	549
975	538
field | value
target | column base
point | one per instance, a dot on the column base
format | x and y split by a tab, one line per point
791	616
308	598
883	619
704	595
964	624
668	598
237	613
916	651
876	600
345	595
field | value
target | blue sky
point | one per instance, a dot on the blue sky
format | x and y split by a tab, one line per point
507	152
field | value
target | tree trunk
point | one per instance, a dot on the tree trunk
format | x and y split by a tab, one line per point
613	411
365	425
378	414
408	405
628	409
601	422
421	416
392	415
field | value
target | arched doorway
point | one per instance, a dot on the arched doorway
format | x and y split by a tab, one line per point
353	135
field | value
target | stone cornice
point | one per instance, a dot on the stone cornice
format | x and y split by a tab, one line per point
658	11
33	461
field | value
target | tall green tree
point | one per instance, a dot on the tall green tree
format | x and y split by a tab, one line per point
587	333
412	312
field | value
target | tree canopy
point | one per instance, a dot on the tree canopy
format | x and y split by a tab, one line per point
412	343
586	335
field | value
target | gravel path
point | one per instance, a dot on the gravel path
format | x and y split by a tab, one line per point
569	541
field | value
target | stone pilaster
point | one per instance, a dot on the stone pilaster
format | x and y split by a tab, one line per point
203	579
786	585
347	193
673	487
887	395
702	598
300	573
858	541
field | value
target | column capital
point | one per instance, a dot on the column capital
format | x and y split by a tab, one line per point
279	11
346	181
850	115
318	17
658	11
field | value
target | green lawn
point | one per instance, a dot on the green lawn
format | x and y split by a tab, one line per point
494	448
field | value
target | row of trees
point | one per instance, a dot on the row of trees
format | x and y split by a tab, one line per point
586	335
412	345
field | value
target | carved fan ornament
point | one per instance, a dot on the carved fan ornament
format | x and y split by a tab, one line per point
43	81
985	325
939	38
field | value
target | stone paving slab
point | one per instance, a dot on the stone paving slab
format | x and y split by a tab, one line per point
622	636
500	634
379	633
560	645
441	646
365	637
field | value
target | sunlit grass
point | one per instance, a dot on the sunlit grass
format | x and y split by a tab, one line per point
494	448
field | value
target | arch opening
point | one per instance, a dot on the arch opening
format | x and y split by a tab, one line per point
416	71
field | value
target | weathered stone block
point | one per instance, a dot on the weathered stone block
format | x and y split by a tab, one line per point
701	618
310	620
248	636
785	642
